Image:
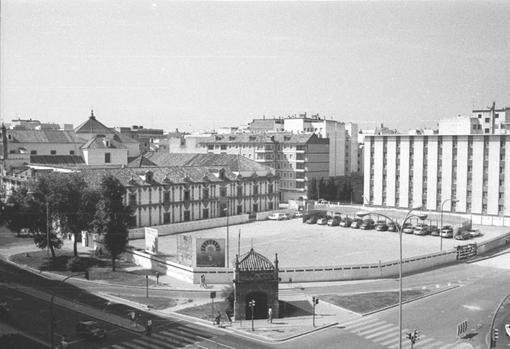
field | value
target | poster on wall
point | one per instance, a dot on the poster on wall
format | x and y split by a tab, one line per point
185	249
210	252
151	240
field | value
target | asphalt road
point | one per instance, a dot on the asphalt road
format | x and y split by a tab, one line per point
28	295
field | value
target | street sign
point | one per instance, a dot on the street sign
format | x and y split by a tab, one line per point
462	328
466	251
213	294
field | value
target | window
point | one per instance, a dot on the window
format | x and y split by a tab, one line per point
205	193
210	147
255	189
255	208
132	199
486	130
223	192
107	158
186	195
187	216
205	213
132	221
270	188
166	197
496	115
239	209
239	191
270	205
53	152
487	120
71	152
223	147
33	152
166	218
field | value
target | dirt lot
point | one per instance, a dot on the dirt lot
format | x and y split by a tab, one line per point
299	244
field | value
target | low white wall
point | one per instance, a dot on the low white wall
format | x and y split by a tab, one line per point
169	229
262	216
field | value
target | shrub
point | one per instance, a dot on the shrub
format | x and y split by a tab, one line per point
76	264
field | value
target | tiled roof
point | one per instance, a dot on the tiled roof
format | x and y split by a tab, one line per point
233	162
56	159
254	261
92	126
98	142
41	136
160	175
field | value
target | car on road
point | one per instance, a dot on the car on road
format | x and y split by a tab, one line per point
475	233
333	222
311	220
346	222
421	229
367	224
356	223
278	216
381	226
90	329
434	230
322	221
462	235
447	231
408	228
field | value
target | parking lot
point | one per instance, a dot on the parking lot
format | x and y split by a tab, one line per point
299	244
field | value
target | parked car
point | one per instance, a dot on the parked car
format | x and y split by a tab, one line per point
434	230
312	220
278	216
408	228
356	223
346	222
421	229
333	222
322	221
90	329
475	233
447	231
393	227
298	214
507	329
462	235
367	224
381	226
322	201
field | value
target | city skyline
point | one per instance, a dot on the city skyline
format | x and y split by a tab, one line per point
194	65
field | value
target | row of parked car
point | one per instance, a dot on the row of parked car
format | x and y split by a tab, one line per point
446	231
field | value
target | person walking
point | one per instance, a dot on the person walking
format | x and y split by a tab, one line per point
149	327
157	278
132	317
270	315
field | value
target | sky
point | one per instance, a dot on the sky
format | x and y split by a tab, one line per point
202	65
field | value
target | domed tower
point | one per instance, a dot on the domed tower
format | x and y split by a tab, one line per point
256	278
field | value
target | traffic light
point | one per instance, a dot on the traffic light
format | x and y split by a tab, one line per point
315	300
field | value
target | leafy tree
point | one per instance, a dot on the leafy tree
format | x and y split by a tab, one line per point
227	293
112	217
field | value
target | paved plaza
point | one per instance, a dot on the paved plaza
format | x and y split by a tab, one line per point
299	244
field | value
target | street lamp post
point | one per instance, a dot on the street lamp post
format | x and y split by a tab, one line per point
252	306
441	222
52	299
400	227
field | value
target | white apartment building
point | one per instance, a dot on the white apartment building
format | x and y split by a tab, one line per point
465	174
491	120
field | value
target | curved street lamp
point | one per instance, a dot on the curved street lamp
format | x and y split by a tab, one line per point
408	216
441	224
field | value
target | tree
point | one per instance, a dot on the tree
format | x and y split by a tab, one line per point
322	189
331	190
112	217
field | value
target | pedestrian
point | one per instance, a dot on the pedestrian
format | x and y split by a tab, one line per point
132	316
217	320
157	278
229	317
270	315
149	327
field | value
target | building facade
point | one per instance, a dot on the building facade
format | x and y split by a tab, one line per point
465	174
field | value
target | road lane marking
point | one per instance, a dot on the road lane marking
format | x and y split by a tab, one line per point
387	336
421	342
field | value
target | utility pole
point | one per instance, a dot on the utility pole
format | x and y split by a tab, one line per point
146	285
315	301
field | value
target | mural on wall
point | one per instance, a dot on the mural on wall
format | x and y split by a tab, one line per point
185	249
210	252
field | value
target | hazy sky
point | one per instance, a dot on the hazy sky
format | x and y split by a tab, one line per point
198	65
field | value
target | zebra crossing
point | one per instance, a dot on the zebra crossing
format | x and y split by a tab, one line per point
385	333
166	338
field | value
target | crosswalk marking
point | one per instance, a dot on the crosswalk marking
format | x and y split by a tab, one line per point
364	327
146	344
361	324
371	329
387	338
431	345
131	345
360	320
388	331
421	342
447	346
